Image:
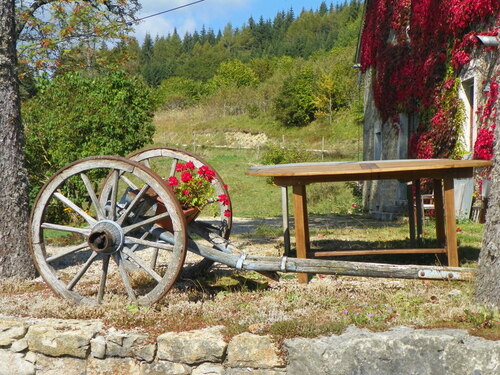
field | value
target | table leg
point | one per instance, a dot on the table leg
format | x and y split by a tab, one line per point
420	211
286	220
439	212
301	226
450	228
411	212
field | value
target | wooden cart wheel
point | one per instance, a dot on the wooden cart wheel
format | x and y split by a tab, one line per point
103	253
163	160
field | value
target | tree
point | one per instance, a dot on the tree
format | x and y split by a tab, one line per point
487	285
294	104
105	115
48	30
14	257
235	73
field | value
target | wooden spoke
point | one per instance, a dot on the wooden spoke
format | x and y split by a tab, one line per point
134	248
146	163
132	205
167	158
123	273
154	258
104	276
141	264
82	271
66	201
173	167
129	183
150	220
114	194
93	197
66	228
71	250
153	244
76	281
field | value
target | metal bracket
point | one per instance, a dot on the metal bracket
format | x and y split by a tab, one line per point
439	275
283	264
241	259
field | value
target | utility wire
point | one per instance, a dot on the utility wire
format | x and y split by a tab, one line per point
166	11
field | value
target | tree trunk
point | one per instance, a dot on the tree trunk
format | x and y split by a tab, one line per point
14	256
488	277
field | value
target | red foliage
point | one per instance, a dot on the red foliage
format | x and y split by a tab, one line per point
483	148
407	42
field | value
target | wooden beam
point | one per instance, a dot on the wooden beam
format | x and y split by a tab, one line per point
333	253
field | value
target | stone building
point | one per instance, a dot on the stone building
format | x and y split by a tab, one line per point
467	44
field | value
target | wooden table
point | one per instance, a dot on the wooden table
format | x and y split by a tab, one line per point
441	171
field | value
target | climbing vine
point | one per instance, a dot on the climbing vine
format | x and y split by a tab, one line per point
416	48
483	148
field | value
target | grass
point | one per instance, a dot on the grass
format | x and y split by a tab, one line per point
247	301
202	125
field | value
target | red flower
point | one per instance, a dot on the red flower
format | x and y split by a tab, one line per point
186	192
180	167
173	181
190	165
206	172
186	177
227	213
224	199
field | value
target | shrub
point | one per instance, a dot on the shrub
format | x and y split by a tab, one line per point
294	153
75	116
294	104
180	92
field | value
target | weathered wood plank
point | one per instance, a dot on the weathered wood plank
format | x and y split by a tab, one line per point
325	266
333	253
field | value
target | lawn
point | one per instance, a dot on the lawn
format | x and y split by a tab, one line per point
248	301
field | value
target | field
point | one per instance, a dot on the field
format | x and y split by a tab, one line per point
248	301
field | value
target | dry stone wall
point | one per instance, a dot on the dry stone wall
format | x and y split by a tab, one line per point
69	347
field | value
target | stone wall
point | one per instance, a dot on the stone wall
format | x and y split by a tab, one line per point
69	347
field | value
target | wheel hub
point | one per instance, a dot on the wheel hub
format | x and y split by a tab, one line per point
106	237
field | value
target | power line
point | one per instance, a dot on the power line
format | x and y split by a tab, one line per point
166	11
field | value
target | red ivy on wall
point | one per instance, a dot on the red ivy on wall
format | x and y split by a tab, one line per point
415	48
483	148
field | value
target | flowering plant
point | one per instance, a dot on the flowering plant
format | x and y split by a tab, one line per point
193	187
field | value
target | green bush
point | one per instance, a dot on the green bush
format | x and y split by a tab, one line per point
180	92
275	154
75	116
234	73
294	104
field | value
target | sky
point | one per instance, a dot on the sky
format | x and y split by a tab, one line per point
214	14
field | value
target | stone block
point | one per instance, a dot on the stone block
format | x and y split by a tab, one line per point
15	364
164	367
98	347
129	344
401	351
192	347
254	371
209	369
113	366
249	350
58	337
57	366
11	330
19	346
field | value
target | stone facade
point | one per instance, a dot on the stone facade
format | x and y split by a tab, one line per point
383	141
54	347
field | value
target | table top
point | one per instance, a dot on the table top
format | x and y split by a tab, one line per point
368	170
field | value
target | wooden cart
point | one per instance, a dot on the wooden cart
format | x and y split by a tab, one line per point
116	246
